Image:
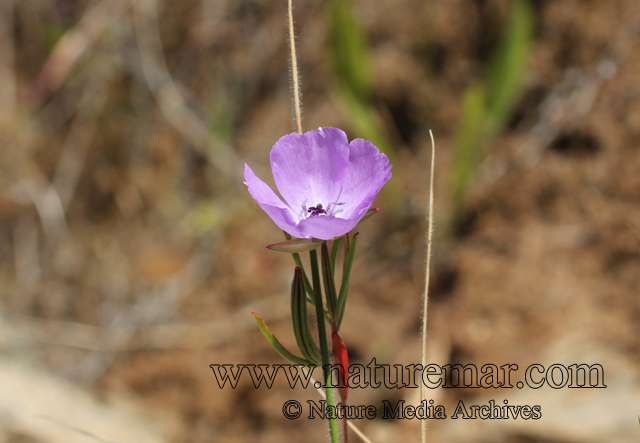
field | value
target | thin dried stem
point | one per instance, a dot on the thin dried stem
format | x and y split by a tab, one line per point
74	45
294	71
168	93
75	429
423	423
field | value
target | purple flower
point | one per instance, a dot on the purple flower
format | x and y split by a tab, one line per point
327	183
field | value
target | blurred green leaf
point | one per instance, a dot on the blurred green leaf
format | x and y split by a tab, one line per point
350	54
353	70
508	65
350	51
487	106
53	32
208	217
465	156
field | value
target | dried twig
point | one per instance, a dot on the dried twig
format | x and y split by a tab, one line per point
74	44
423	423
295	78
139	336
170	99
72	428
75	149
150	308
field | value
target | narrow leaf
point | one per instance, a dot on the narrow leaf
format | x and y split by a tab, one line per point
469	137
329	284
349	50
276	344
300	319
334	254
509	63
346	274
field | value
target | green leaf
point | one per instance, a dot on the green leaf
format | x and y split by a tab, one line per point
351	57
300	319
487	106
350	50
334	254
277	345
470	132
346	274
509	63
329	284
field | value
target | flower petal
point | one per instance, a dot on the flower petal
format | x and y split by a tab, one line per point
308	169
278	210
325	227
366	174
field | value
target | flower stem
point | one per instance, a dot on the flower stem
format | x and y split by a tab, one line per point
324	348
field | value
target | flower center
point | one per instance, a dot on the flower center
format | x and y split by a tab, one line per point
319	209
316	210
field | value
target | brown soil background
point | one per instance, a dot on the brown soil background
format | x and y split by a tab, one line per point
131	255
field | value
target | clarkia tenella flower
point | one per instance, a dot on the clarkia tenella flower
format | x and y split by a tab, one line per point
327	183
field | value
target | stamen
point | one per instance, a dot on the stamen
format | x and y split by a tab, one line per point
316	210
330	210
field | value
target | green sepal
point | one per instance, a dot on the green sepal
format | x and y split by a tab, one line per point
334	254
277	345
350	252
300	319
296	245
369	213
329	284
298	261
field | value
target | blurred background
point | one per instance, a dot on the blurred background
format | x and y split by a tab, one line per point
131	254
